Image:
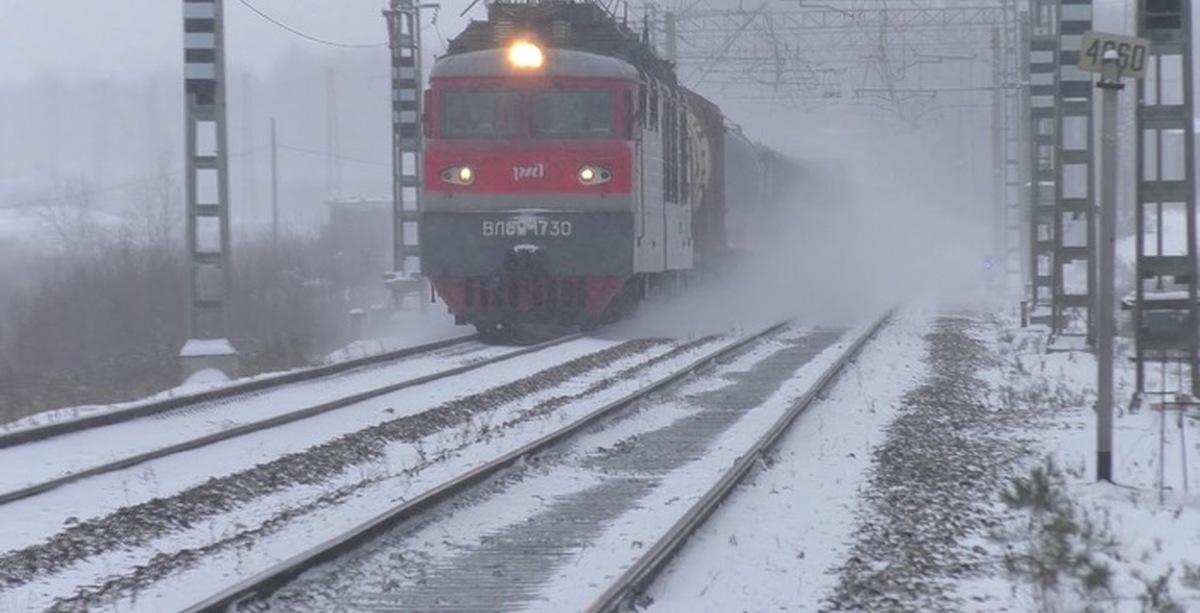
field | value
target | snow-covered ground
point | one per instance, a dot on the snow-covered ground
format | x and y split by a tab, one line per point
978	405
245	536
1147	522
774	545
406	329
814	530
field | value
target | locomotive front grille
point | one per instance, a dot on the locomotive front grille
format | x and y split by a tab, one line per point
510	293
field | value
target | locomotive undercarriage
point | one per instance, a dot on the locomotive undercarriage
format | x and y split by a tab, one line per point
501	307
505	308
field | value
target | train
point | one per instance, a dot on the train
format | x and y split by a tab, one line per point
568	175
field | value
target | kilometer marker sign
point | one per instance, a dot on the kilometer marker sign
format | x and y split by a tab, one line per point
1133	53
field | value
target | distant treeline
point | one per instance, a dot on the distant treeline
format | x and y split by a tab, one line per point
104	322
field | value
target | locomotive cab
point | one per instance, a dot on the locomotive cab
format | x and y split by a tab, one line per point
528	185
567	174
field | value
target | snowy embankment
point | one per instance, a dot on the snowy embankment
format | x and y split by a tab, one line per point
953	470
922	484
1076	543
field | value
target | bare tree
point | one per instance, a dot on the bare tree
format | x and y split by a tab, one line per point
69	215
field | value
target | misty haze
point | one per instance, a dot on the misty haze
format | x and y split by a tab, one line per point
706	305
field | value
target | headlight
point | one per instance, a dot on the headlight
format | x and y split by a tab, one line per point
594	175
459	175
525	54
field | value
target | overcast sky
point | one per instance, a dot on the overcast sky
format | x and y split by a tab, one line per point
114	38
130	38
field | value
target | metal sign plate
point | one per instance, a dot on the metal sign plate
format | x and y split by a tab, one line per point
1133	53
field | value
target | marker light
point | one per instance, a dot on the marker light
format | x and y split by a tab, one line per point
459	175
594	175
524	54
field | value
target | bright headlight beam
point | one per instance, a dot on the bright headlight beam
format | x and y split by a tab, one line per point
593	175
524	54
458	175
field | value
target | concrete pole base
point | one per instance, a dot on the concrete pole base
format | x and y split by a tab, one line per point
210	353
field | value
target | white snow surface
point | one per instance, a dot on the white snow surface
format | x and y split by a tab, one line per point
22	523
630	533
29	521
202	347
205	378
777	545
773	547
77	451
410	329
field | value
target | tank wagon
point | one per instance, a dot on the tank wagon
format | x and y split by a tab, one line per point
567	174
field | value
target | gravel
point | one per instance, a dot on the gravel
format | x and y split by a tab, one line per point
139	525
439	562
936	481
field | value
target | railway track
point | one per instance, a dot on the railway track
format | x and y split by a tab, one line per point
175	526
588	477
14	437
71	451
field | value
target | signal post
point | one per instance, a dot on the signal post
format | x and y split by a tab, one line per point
1114	57
207	159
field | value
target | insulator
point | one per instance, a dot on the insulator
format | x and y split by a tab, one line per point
502	32
560	30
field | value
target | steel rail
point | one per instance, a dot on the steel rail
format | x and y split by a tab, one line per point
268	582
625	590
278	420
29	435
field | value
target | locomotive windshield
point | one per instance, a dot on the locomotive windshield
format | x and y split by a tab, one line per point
554	113
481	113
573	113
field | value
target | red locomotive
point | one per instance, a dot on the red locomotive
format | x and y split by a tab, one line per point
567	174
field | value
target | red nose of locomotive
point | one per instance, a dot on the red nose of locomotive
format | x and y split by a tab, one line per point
484	170
528	200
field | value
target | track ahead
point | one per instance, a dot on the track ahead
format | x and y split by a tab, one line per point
267	583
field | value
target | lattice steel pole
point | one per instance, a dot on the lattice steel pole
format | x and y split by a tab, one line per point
1043	113
999	255
1016	171
404	36
1074	220
207	180
1165	311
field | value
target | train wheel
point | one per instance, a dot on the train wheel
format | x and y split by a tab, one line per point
488	332
497	333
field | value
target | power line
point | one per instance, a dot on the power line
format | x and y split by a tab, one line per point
307	36
434	24
87	193
330	154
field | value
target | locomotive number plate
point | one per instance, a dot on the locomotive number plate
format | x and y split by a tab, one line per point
527	227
